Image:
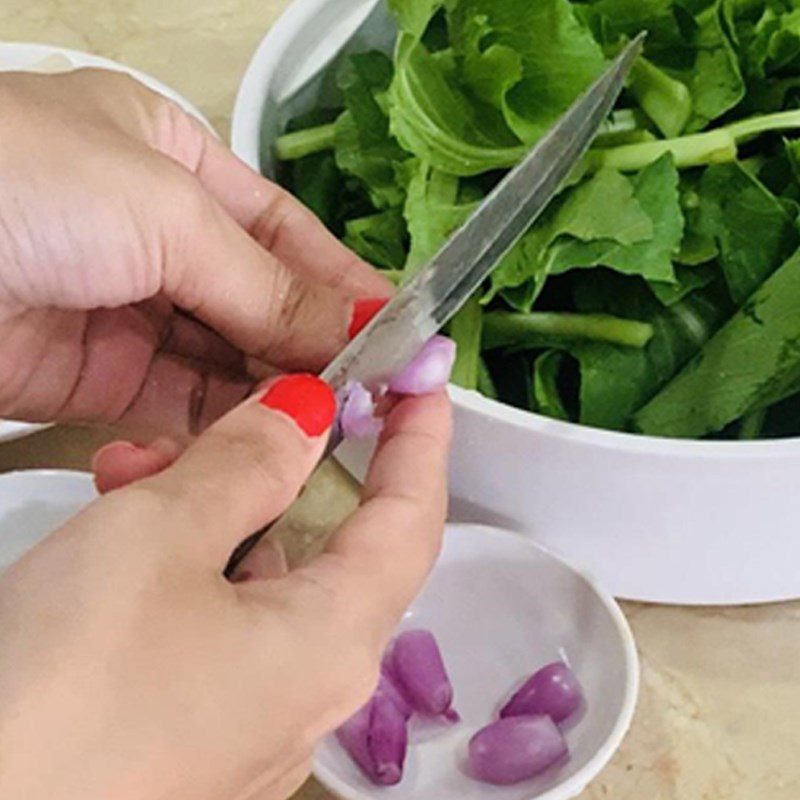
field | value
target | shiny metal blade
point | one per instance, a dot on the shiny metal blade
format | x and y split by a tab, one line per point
428	302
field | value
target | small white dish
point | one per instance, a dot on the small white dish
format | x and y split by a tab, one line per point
45	58
502	607
35	502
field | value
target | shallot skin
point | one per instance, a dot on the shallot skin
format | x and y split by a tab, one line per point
417	666
553	690
388	688
515	749
429	371
376	738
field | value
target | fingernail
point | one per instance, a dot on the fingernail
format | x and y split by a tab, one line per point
363	312
309	401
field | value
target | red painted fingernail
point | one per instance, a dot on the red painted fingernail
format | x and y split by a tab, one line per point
309	401
363	312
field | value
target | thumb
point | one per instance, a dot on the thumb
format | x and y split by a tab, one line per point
245	470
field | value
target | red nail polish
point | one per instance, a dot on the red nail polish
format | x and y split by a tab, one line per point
309	401
363	312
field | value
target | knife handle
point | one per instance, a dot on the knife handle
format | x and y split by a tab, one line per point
243	550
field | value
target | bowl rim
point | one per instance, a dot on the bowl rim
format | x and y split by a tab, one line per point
47	472
246	143
84	58
574	785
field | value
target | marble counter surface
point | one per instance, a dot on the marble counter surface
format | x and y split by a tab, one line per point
719	715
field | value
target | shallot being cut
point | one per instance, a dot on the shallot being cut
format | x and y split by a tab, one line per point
428	372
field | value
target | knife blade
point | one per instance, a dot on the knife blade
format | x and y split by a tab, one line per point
397	334
400	330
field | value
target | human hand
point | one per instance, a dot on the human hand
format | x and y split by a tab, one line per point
141	263
134	671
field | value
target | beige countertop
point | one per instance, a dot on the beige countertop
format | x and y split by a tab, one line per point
719	714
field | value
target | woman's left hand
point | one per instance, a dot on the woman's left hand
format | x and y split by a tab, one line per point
132	669
141	263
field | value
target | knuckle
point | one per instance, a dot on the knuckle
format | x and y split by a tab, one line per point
273	220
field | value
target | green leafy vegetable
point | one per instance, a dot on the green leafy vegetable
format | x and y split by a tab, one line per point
752	230
536	58
616	382
379	239
433	212
436	120
656	191
752	362
466	330
546	393
660	290
549	329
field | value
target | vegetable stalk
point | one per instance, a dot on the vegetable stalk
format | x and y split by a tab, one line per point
537	329
297	145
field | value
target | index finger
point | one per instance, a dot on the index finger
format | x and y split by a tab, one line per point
282	224
377	562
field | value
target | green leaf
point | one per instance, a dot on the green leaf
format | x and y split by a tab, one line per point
603	215
615	382
380	239
363	144
689	44
697	247
767	37
546	393
414	16
535	58
656	191
752	362
751	228
670	28
665	100
317	182
715	80
432	212
433	118
688	280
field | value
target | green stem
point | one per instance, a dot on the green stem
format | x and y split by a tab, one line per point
752	424
485	382
293	146
699	149
749	128
396	276
696	150
466	330
543	329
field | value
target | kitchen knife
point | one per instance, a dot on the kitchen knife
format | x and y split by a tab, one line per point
424	305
